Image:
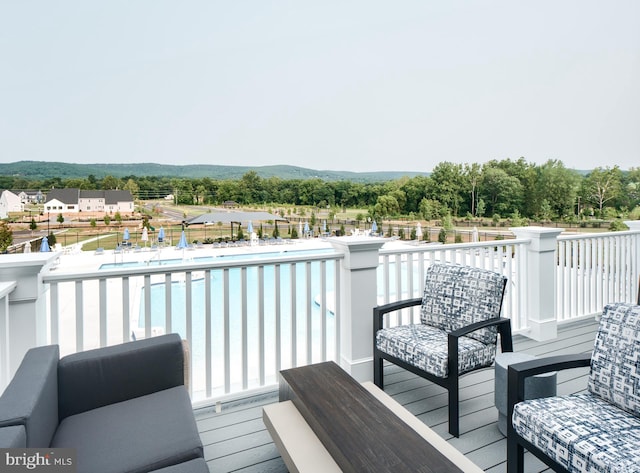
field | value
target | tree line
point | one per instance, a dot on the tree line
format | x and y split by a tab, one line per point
499	188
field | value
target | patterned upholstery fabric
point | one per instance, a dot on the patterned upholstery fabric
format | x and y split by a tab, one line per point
426	347
456	296
581	432
615	363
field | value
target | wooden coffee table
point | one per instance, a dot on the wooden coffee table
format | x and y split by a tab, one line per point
326	421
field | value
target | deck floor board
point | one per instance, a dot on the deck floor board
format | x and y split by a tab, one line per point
236	439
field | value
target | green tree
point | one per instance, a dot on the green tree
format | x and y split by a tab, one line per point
559	186
93	223
107	220
6	236
500	191
447	185
132	187
118	218
602	185
473	173
60	219
33	225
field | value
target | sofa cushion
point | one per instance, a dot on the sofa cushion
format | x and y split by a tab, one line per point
615	369
31	398
136	436
456	296
194	466
96	378
13	437
426	347
581	432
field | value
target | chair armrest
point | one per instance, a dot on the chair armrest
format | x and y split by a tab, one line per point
31	398
519	372
504	328
381	310
96	378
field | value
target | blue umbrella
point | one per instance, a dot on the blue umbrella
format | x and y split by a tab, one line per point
161	235
44	246
126	236
183	241
306	227
374	227
249	228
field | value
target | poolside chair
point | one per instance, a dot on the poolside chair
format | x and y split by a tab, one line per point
457	333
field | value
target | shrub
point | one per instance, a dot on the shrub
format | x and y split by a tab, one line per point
442	236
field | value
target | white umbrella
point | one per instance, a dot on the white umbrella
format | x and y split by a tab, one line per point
27	247
475	238
145	236
419	231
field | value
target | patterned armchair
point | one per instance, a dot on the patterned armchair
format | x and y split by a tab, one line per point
597	430
459	323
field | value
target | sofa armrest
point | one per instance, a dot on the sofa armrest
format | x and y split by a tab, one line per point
96	378
13	437
31	398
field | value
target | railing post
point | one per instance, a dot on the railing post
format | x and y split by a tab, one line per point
541	278
26	324
358	296
634	225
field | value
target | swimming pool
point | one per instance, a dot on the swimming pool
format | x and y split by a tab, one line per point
154	261
282	309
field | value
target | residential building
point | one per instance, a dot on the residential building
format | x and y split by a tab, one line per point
9	202
76	200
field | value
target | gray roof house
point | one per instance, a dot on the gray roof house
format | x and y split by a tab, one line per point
76	200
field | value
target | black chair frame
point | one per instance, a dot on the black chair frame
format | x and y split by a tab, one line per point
517	373
450	383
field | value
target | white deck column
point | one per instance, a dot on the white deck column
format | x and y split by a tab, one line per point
358	296
634	225
541	278
25	324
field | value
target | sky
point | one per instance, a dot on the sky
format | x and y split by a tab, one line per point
331	85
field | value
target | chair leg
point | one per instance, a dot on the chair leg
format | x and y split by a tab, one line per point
515	455
454	423
377	371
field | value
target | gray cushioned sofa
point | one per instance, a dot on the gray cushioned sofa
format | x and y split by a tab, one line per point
122	408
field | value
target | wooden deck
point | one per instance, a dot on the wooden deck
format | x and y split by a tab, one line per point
236	439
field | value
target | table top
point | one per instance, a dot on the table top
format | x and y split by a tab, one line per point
360	432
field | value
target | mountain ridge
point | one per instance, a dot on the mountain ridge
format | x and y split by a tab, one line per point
45	170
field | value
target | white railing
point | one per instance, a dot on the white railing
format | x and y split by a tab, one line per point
594	270
401	273
6	288
245	320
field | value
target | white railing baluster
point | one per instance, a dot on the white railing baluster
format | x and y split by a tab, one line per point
147	305
102	291
79	316
55	314
308	303
126	316
227	331
278	314
208	342
261	328
245	328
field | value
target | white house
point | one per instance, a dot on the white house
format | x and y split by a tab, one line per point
76	200
62	201
9	202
